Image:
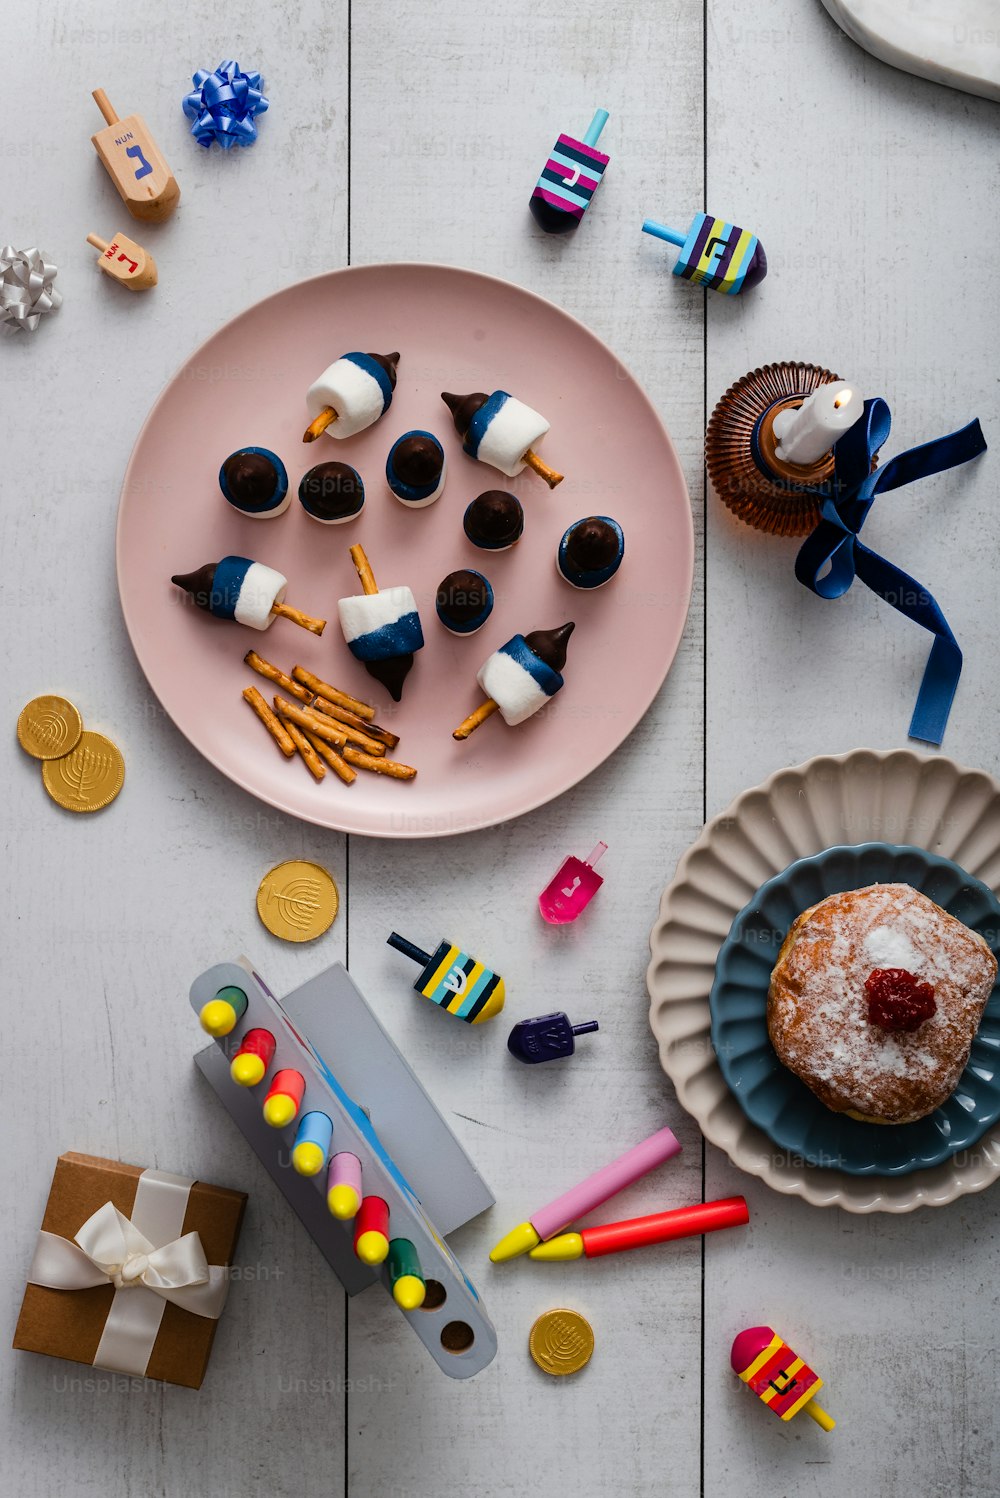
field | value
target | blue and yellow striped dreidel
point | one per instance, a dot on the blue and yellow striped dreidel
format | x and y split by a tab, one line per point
569	179
458	984
720	256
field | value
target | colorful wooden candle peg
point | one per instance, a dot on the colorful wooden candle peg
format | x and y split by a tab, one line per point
222	1014
132	160
125	261
720	256
549	1037
569	179
284	1098
780	1379
405	1275
371	1230
253	1057
313	1139
343	1186
571	888
460	985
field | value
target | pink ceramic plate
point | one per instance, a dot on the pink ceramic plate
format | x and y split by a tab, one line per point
455	330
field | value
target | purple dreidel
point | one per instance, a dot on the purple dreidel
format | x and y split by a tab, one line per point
546	1038
569	179
572	888
720	256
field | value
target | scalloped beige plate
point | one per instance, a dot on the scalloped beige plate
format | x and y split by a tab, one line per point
889	796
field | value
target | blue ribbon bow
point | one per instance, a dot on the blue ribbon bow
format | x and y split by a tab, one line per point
835	543
223	105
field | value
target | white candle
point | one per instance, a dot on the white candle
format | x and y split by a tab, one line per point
805	434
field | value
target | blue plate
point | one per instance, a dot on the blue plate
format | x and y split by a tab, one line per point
773	1097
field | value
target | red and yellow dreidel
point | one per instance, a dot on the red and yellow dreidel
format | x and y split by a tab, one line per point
779	1378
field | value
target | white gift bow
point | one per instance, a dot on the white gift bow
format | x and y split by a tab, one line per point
147	1268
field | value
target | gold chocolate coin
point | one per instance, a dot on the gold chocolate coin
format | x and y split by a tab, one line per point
297	901
561	1341
87	779
49	727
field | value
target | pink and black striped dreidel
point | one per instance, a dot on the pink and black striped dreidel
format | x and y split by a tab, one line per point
569	179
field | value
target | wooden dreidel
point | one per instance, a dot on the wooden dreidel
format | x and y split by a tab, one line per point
720	256
782	1381
459	984
132	160
125	262
569	179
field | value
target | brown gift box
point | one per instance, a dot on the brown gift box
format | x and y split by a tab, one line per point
69	1323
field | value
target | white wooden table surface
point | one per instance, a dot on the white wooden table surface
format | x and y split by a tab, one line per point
412	130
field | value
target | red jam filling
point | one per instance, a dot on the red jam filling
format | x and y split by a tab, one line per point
897	1000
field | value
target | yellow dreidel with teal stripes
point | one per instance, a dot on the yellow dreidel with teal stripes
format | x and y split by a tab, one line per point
459	984
722	257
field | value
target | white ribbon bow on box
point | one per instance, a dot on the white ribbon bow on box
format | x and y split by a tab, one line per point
146	1260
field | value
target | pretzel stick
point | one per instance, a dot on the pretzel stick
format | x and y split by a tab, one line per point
264	668
333	759
351	720
332	694
364	570
314	764
534	462
285	611
319	424
315	723
380	766
472	722
359	736
275	728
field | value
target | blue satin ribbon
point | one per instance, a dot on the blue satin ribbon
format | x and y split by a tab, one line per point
835	544
223	105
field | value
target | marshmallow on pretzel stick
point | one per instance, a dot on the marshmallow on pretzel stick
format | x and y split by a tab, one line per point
245	591
351	394
382	629
520	678
502	431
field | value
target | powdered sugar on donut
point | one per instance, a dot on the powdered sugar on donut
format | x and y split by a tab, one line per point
818	1013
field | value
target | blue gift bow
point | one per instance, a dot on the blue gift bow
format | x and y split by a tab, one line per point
223	105
835	542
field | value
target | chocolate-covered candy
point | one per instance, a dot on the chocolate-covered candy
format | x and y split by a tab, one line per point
464	601
550	644
254	481
415	469
387	362
332	493
591	551
494	520
464	407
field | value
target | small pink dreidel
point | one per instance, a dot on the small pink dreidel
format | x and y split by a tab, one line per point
125	261
572	888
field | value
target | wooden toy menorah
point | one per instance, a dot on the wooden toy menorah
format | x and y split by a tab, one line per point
360	1153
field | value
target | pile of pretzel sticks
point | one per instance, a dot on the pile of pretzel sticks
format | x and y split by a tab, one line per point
324	726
